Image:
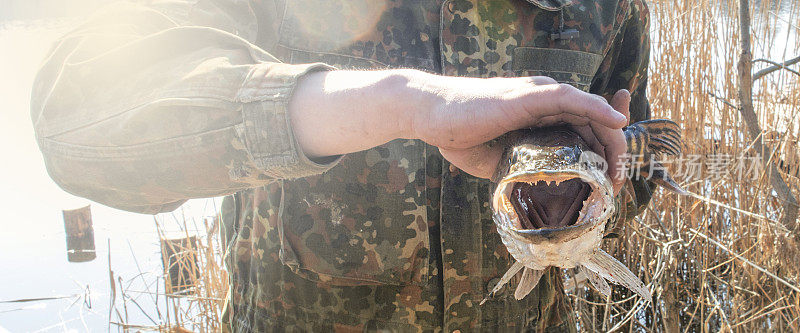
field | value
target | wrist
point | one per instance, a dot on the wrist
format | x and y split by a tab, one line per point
339	112
414	97
393	97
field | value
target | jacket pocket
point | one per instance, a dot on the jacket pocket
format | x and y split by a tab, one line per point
577	68
355	34
363	222
338	32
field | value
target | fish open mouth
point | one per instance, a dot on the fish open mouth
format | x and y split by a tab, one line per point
542	193
548	205
553	200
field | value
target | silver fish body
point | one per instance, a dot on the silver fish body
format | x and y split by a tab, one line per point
553	201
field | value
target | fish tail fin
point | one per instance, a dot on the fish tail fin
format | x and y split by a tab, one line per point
516	267
597	281
530	278
612	270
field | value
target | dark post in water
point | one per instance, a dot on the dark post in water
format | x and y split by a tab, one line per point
80	234
179	257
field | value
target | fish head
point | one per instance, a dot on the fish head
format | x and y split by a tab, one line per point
553	201
552	198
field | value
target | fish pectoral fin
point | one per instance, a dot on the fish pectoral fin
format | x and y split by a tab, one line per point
664	136
530	278
516	267
598	282
663	179
612	270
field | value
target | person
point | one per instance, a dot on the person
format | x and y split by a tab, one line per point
353	140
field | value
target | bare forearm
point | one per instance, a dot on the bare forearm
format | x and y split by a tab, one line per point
341	112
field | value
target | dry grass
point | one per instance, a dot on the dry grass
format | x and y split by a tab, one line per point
189	301
719	260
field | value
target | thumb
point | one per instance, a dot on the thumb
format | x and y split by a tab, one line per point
621	101
480	161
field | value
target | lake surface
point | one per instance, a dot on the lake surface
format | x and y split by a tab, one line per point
33	258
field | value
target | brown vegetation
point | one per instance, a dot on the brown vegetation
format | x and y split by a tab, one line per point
190	292
725	258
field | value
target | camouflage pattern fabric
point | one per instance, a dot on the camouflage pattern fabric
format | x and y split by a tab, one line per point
393	238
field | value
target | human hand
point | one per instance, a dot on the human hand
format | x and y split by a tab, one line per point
621	103
340	112
463	115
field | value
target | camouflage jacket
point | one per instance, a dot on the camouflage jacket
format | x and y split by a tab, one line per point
143	107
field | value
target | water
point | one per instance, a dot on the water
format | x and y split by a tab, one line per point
33	259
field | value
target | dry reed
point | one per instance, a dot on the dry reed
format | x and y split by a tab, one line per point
195	303
720	259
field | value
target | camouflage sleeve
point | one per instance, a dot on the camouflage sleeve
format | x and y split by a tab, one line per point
143	107
630	59
627	62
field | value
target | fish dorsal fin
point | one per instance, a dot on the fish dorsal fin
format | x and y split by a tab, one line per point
503	280
530	278
612	270
597	281
653	136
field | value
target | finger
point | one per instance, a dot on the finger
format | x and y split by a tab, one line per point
555	99
621	102
563	119
587	135
539	80
613	142
480	161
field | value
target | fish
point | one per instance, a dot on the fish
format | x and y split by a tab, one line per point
553	202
